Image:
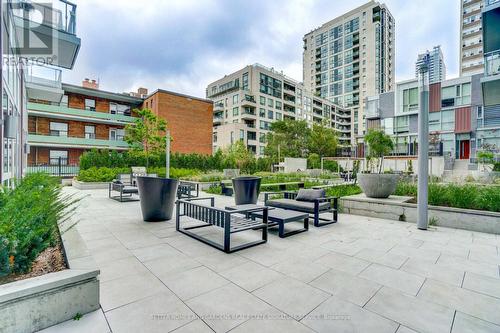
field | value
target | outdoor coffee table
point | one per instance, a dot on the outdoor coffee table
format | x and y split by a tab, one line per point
279	217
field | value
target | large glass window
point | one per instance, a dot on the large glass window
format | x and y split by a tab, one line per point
235	99
245	81
448	120
410	99
262	100
58	129
116	134
115	108
270	85
89	132
236	111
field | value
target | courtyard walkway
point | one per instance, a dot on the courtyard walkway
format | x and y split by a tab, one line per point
359	275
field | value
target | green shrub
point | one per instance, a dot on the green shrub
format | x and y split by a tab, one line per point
29	217
343	190
214	189
102	174
456	195
174	172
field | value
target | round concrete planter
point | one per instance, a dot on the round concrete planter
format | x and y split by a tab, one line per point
376	185
246	189
157	197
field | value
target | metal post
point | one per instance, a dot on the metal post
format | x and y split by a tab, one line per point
322	165
59	166
167	156
423	146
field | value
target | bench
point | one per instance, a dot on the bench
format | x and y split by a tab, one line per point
313	202
186	188
227	187
231	221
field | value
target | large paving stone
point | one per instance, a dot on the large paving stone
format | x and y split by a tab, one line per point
406	282
482	284
300	269
430	270
464	323
415	313
343	263
251	276
195	282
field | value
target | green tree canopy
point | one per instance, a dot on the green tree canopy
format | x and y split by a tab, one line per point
379	144
290	137
323	140
238	154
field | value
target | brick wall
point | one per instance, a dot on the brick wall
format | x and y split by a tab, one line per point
41	126
40	155
189	120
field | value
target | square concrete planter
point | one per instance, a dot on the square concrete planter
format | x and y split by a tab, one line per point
89	186
36	303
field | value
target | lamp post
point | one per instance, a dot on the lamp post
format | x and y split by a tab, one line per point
167	155
423	145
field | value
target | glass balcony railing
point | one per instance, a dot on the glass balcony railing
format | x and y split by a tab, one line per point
492	63
60	15
43	75
35	138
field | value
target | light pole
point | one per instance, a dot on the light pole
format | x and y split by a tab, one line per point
423	145
167	155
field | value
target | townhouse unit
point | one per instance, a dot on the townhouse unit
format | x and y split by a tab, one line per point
20	21
63	125
247	101
471	37
351	57
455	117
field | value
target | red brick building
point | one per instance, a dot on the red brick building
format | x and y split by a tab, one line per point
61	128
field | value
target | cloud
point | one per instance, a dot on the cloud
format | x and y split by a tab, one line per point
183	45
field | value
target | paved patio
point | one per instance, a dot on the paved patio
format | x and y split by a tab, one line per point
359	275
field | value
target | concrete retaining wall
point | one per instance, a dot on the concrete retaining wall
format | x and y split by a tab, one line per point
468	219
89	186
36	303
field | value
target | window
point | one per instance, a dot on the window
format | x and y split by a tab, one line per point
58	129
245	81
116	134
89	104
262	137
278	105
251	136
270	86
448	96
262	112
410	99
262	150
262	100
270	114
242	134
235	99
279	116
479	112
448	120
270	102
232	137
215	137
58	156
115	108
89	132
235	110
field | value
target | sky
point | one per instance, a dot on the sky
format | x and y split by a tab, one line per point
183	45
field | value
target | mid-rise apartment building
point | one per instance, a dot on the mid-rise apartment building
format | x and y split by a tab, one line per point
455	117
471	37
437	67
247	101
63	126
489	123
17	20
350	58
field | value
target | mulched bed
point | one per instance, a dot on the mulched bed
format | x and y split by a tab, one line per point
50	260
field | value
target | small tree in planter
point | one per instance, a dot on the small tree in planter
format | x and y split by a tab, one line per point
378	185
379	144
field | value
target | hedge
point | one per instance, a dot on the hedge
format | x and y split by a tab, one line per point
29	217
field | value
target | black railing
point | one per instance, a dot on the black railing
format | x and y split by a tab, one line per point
60	167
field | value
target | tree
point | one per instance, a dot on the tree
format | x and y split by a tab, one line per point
146	133
379	144
323	140
290	137
237	154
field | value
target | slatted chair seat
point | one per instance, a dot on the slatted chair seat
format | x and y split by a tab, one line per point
231	221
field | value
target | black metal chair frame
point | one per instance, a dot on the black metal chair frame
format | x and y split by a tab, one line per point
223	218
123	197
317	211
185	190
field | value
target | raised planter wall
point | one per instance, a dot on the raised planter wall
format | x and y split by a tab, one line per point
89	186
467	219
36	303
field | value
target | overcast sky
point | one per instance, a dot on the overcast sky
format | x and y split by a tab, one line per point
183	45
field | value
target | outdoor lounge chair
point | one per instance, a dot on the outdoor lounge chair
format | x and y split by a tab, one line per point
231	221
126	191
309	201
186	189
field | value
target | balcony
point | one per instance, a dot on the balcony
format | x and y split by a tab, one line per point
54	27
63	112
491	81
248	113
218	107
248	101
38	140
44	83
218	119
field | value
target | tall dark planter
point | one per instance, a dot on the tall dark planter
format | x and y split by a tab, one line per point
246	189
157	197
